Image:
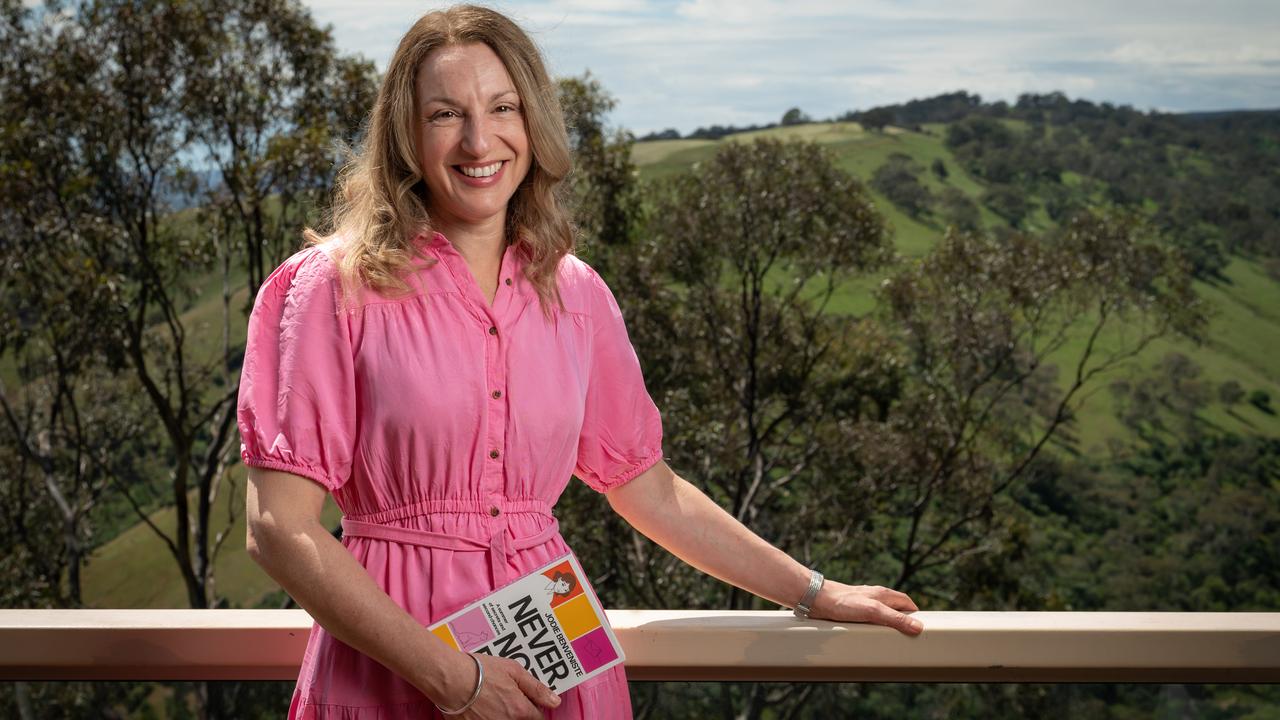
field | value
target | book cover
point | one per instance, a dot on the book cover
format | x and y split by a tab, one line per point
548	621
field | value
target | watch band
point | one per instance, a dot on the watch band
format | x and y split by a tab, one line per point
805	605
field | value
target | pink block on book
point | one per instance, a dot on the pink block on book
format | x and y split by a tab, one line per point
594	649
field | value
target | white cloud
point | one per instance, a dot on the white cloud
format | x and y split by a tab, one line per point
1210	52
685	63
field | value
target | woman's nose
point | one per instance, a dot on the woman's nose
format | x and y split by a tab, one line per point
475	135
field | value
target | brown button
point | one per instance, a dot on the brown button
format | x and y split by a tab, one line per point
508	281
493	331
493	454
494	512
497	394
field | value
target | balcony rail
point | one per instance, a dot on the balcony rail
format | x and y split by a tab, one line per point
688	645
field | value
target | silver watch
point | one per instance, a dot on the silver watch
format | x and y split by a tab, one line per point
803	607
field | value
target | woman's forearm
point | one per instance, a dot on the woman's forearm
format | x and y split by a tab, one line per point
330	584
681	518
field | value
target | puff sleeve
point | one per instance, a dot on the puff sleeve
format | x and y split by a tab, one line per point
297	406
621	429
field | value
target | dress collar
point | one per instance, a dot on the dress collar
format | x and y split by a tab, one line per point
432	240
513	262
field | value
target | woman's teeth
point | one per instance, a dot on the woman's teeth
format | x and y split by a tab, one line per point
480	172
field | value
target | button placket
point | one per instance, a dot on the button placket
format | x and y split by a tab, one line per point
495	412
492	462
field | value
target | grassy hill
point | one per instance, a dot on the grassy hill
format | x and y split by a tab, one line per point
1244	332
134	569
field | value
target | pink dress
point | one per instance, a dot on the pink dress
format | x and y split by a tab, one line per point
446	429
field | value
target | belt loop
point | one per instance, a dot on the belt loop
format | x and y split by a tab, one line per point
498	558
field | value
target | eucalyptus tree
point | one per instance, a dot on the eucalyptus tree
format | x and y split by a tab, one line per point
273	108
69	427
1003	337
111	240
752	371
130	154
100	162
602	186
71	423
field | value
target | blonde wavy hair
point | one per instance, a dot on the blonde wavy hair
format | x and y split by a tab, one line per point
380	199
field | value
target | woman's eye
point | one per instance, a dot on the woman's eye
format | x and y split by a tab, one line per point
444	115
508	108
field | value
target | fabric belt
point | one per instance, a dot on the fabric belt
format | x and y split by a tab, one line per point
500	546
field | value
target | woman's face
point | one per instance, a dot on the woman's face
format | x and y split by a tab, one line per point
472	144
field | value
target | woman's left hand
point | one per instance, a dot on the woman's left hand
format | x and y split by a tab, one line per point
866	603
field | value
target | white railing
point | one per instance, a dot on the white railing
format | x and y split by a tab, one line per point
692	645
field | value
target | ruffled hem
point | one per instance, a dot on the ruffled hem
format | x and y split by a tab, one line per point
320	477
626	476
300	709
605	697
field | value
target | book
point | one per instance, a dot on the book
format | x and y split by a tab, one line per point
549	621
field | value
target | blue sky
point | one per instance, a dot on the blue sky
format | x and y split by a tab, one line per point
688	63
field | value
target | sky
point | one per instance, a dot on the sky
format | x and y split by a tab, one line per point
689	63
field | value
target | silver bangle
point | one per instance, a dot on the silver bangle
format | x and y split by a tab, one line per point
805	605
474	694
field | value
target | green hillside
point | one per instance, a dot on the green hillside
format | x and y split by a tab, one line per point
135	570
1243	341
1243	344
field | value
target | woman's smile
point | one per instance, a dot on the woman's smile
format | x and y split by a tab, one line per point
481	175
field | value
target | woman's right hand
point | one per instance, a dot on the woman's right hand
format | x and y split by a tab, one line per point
509	691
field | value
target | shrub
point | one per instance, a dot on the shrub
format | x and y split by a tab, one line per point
898	180
1261	399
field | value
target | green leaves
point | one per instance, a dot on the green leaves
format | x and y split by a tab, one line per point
759	387
767	204
107	106
602	184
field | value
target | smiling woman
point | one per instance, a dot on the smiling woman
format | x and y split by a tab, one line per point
400	364
393	363
465	89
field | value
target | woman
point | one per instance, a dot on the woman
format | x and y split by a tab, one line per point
443	364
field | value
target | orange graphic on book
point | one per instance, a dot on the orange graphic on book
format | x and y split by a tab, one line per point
577	617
